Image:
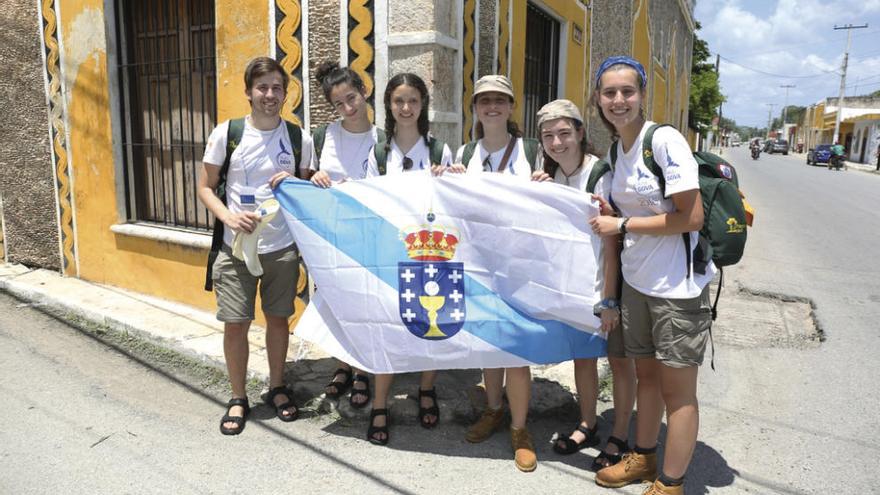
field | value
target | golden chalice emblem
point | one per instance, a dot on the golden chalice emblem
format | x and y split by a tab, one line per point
432	302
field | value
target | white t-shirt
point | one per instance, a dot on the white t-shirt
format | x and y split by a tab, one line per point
259	156
579	181
517	165
420	155
652	264
344	155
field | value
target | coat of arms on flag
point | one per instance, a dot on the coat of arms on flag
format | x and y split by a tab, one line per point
431	288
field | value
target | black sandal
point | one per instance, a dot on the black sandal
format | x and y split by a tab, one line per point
569	446
428	411
372	430
279	409
622	448
238	420
341	387
356	392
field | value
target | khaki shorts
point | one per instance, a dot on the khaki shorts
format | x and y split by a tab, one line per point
674	331
236	288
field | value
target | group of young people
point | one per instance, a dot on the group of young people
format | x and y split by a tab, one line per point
654	308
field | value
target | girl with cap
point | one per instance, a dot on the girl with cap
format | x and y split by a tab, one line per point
342	149
501	148
570	160
665	302
409	148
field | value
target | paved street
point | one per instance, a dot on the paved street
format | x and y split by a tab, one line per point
779	416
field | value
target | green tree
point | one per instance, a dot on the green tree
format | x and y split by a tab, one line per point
705	90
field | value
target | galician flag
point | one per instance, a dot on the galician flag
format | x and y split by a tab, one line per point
415	272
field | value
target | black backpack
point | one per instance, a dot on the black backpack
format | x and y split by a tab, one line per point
531	147
233	138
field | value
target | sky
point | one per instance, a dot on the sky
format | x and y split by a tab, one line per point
768	44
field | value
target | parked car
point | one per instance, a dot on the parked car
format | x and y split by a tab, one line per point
778	146
820	154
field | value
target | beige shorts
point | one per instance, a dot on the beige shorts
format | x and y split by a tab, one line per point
236	288
674	331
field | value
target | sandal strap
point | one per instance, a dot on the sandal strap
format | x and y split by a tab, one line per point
361	378
621	445
382	411
432	393
235	401
589	432
283	389
343	371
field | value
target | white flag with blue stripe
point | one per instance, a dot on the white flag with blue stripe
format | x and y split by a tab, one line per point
416	272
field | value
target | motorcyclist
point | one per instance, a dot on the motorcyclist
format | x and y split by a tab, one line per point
755	147
837	152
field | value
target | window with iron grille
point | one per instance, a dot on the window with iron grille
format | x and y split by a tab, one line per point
168	90
541	67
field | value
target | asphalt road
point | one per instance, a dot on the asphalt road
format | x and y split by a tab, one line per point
82	417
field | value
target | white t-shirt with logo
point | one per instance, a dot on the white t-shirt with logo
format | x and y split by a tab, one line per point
259	156
579	181
517	164
345	154
420	155
656	265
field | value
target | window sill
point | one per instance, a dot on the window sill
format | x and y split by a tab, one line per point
163	234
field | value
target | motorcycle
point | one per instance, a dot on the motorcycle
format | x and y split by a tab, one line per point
756	152
835	162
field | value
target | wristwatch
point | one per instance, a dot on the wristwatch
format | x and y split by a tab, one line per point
607	303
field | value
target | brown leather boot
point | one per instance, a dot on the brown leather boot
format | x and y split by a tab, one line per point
659	488
633	467
523	450
490	421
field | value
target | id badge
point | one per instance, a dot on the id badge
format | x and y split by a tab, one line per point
248	196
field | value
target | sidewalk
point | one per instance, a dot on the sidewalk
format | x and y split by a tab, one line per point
197	334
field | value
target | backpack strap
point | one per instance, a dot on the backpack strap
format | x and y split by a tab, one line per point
468	152
600	168
318	136
435	148
531	147
233	137
379	151
294	133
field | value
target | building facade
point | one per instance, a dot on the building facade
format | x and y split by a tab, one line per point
109	102
859	130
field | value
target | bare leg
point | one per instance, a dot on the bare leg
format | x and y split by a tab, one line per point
679	387
359	386
235	350
380	401
338	378
623	375
493	380
650	402
586	380
519	391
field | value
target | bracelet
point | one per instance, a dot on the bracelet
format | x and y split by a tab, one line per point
622	225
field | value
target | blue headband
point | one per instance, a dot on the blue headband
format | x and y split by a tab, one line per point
622	59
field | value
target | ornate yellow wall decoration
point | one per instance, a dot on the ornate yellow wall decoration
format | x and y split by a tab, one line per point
59	139
503	37
360	47
468	71
290	53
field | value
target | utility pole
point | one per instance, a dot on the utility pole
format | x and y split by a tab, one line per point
849	28
718	74
785	108
769	117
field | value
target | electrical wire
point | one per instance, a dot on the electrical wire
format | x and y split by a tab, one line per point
784	76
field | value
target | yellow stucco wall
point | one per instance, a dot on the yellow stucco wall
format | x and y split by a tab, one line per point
577	58
242	33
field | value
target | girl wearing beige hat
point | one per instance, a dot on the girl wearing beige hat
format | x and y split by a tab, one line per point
501	148
572	161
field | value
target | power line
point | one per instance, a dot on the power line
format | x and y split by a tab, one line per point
759	71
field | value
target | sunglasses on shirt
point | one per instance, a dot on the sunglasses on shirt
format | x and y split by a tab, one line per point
407	163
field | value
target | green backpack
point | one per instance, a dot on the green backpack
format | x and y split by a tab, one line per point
531	147
320	133
233	138
722	238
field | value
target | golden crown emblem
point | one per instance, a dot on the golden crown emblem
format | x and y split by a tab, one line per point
429	242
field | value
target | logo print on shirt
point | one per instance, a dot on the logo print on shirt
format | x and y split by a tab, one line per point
672	174
283	157
645	184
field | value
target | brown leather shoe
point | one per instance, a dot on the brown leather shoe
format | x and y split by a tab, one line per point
490	421
523	450
633	467
659	488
